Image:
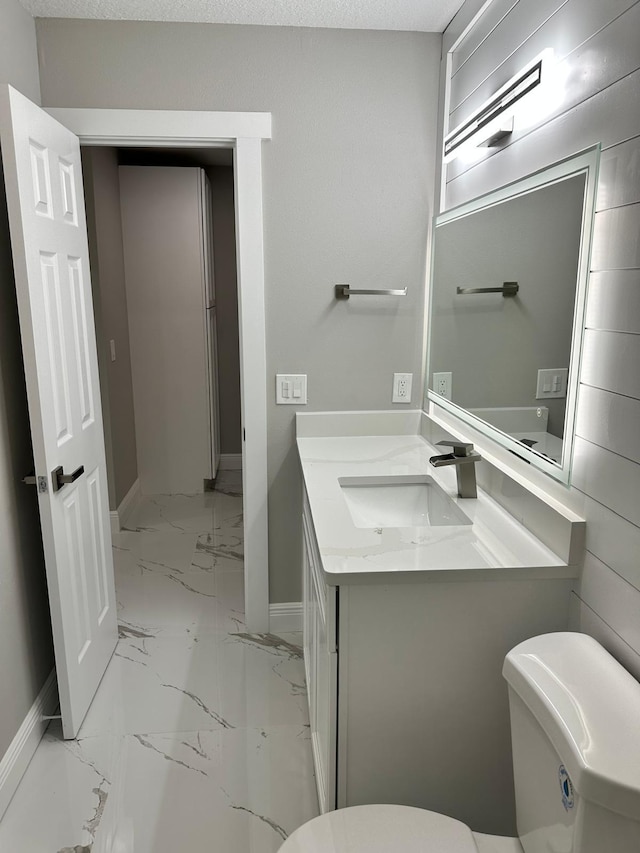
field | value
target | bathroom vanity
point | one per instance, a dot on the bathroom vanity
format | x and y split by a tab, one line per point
412	598
412	595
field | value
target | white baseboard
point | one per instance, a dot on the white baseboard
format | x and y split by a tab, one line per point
285	617
230	462
16	759
127	505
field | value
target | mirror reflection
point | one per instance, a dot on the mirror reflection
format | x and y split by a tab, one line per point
506	273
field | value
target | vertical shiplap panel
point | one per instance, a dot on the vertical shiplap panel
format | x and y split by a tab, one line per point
492	17
610	420
577	31
605	118
610	479
600	104
613	304
613	597
619	175
616	244
587	620
610	361
613	539
485	71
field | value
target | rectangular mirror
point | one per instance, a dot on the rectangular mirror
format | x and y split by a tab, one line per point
508	289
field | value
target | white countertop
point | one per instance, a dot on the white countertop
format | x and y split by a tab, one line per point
493	547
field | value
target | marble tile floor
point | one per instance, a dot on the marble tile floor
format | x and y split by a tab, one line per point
198	737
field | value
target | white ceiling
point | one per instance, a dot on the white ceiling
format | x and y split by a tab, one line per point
420	15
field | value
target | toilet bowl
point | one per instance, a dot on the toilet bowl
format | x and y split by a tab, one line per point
387	828
576	759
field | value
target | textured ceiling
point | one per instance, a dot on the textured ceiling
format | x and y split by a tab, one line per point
421	15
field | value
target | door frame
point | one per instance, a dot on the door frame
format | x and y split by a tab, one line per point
243	132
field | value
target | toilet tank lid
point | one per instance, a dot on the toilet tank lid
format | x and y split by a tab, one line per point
589	707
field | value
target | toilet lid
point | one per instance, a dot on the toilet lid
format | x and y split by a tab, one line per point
381	829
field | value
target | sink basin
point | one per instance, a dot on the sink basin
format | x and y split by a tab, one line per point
399	501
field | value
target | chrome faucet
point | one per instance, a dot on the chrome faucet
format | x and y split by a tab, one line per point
463	457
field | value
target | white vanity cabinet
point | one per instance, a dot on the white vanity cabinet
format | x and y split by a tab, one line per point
406	628
406	698
321	664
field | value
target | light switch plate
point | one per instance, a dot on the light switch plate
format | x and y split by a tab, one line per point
291	389
552	383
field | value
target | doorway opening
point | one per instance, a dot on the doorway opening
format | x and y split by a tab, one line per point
161	227
243	133
162	241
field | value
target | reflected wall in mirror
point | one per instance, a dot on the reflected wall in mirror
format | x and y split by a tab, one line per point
505	357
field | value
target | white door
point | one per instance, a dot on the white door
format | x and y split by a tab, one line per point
49	239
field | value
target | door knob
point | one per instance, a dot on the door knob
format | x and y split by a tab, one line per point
60	479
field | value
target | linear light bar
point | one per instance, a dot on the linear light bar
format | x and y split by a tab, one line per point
504	99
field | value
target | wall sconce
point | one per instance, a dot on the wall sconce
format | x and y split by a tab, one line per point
493	121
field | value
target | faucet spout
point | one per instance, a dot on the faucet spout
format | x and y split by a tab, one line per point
463	457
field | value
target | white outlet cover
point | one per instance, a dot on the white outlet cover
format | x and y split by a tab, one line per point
402	387
442	384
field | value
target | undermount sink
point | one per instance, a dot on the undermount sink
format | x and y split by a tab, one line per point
410	500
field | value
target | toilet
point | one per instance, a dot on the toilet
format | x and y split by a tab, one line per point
575	732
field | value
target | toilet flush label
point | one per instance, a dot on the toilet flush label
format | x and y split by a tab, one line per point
565	787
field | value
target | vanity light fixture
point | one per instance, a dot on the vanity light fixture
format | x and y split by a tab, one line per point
495	134
493	121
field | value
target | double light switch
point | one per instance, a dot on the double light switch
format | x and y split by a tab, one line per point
552	383
291	389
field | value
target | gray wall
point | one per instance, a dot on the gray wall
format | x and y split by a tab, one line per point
26	656
18	57
224	239
348	181
104	225
224	246
598	101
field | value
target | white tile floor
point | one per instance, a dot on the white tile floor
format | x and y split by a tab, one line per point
198	737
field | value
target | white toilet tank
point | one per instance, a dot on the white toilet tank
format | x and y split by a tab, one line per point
575	730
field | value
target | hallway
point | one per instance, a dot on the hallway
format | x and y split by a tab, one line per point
198	736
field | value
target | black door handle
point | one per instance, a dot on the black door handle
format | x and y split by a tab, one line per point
60	479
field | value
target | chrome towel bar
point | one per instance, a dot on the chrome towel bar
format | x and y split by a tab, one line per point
344	291
509	288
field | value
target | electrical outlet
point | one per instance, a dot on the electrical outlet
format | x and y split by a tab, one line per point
402	387
442	384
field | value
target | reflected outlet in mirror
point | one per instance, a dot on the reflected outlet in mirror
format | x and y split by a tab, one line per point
402	501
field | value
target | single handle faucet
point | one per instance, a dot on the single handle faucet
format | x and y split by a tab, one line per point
464	458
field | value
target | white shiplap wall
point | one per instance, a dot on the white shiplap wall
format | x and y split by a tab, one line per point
598	47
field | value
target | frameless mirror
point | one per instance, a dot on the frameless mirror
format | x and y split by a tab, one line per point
508	289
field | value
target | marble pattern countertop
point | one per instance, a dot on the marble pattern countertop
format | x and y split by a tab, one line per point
493	547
